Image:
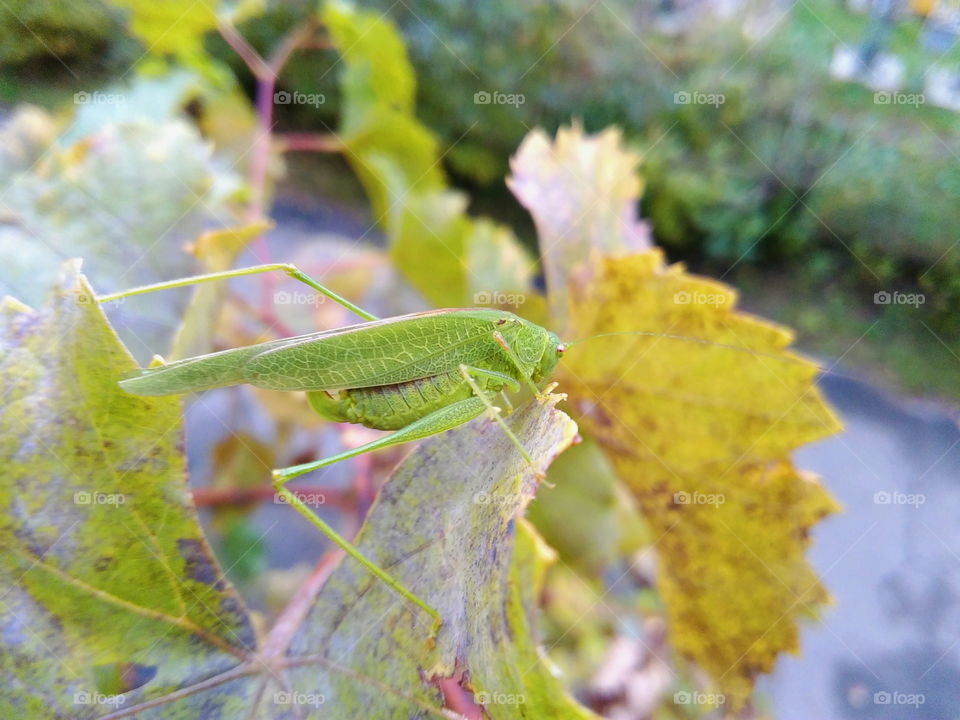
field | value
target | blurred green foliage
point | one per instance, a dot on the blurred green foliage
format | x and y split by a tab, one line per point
793	170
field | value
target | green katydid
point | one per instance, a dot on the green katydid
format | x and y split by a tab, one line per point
417	375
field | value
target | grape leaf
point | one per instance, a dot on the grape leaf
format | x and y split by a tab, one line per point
175	27
116	608
103	560
700	432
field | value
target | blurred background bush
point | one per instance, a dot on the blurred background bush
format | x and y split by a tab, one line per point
806	151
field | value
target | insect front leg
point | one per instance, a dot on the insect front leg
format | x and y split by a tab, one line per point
291	270
446	418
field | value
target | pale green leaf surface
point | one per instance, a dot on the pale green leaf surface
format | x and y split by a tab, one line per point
128	197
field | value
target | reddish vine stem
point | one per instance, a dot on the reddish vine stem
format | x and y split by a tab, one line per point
266	73
220	496
314	142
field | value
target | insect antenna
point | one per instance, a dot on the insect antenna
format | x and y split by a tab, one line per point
699	341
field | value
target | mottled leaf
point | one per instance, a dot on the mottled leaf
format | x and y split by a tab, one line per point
701	431
103	562
446	522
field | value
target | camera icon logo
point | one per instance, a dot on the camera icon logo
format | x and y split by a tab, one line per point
282	97
482	97
681	98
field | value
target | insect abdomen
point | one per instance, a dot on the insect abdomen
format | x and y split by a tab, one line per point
390	407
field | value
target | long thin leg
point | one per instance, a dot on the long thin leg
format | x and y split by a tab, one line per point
445	418
353	552
291	270
468	372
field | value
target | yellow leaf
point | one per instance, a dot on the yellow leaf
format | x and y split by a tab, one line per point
701	433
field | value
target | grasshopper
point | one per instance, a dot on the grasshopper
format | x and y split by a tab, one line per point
416	375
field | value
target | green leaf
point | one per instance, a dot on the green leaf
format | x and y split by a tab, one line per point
449	258
174	27
579	515
116	603
391	152
446	524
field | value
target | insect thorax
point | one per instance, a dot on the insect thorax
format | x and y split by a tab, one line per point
390	407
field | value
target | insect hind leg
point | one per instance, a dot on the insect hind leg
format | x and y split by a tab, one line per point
291	270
